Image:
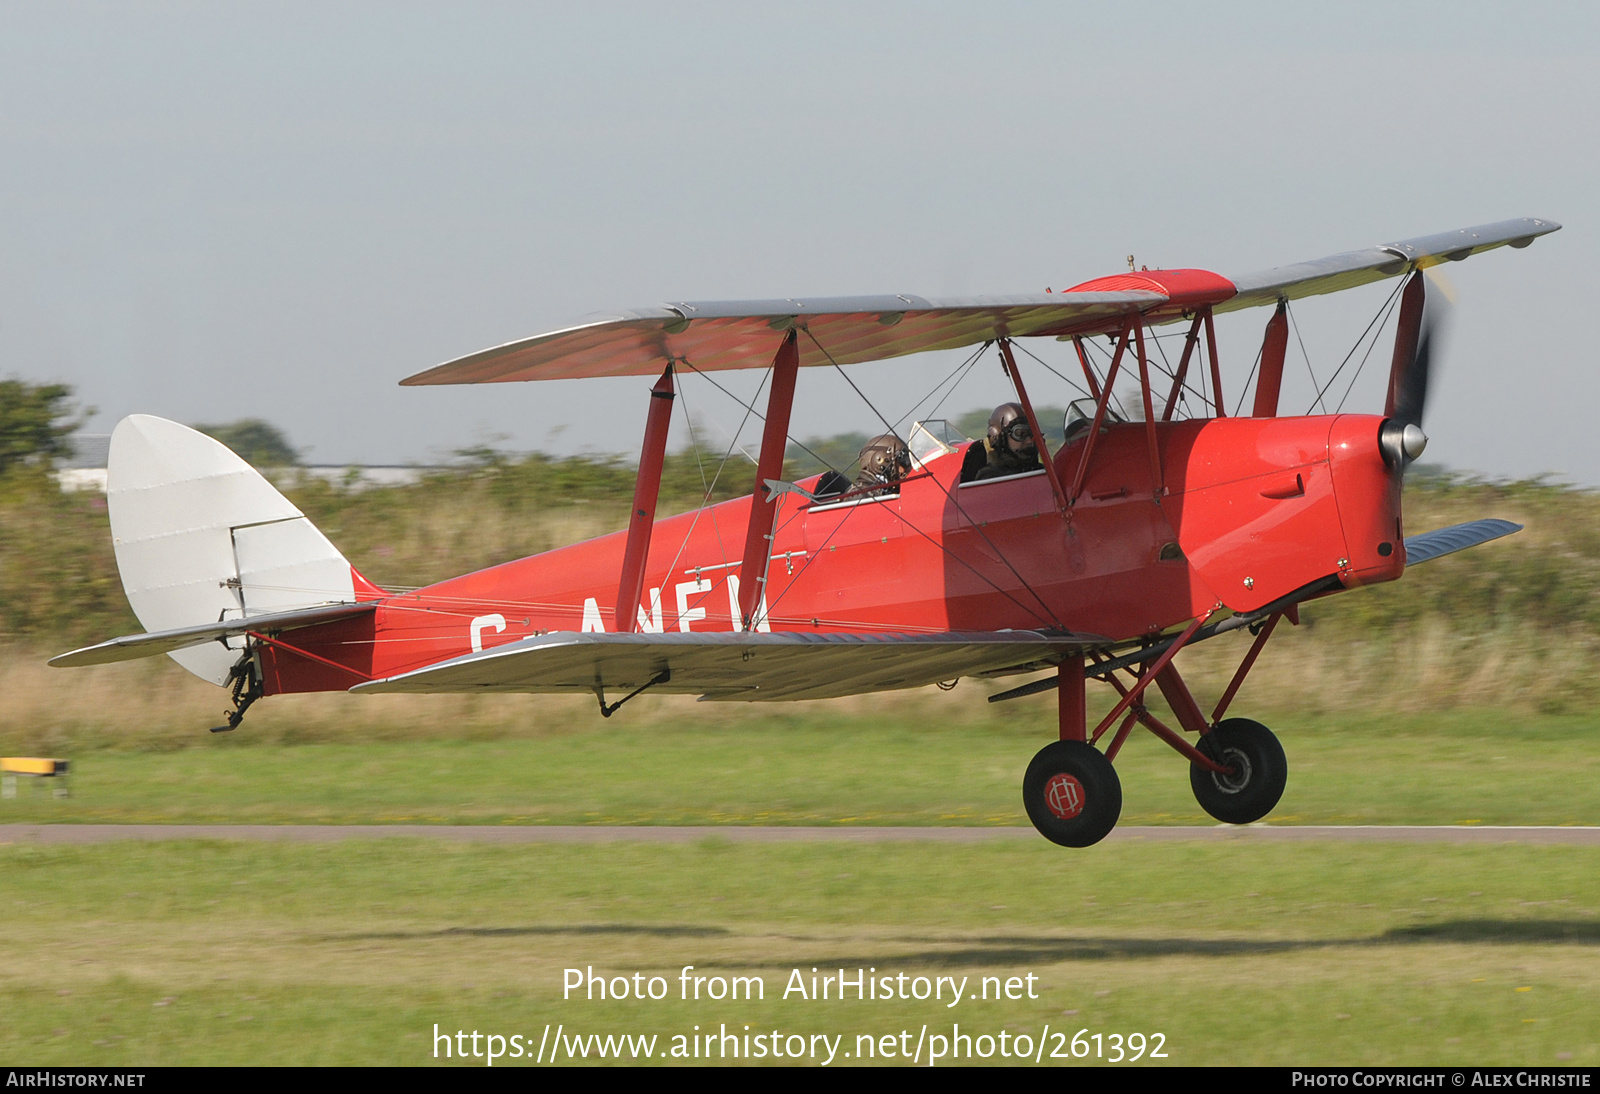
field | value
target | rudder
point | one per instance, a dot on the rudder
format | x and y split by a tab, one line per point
201	536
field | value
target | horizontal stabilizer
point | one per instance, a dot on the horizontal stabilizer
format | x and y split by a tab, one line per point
130	647
1457	537
739	666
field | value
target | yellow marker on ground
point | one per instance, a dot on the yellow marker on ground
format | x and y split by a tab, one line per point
34	766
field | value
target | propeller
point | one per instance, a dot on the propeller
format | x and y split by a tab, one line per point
1401	438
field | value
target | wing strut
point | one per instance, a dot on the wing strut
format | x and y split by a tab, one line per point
1216	369
646	491
1183	369
1045	457
1273	347
1099	416
1088	373
763	502
1157	484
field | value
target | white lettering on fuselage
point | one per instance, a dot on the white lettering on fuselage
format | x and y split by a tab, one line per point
686	589
481	624
651	622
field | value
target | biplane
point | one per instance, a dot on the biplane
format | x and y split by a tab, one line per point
1151	528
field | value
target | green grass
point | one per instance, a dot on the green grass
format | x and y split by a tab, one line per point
823	765
212	952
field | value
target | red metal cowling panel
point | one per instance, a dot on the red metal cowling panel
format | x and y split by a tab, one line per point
1369	501
1253	504
1124	587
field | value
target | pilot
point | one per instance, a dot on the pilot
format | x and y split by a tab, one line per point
1010	442
884	462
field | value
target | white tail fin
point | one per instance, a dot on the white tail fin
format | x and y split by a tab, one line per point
200	536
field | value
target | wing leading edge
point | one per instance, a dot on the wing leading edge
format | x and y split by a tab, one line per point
750	667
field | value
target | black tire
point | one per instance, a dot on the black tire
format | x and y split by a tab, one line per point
1072	794
1262	772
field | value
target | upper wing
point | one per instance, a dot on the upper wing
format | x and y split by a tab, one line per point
727	334
132	646
730	334
745	666
1346	271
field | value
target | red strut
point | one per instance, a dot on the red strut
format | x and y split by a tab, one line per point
1072	709
763	506
1273	347
646	489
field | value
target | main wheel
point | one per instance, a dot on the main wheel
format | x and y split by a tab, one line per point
1260	772
1072	794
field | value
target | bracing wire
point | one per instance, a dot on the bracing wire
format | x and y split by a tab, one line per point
1315	386
976	527
1377	321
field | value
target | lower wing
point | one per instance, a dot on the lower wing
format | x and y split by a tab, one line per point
738	666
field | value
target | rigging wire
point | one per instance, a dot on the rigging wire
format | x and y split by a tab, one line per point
971	363
750	408
1377	321
1359	368
1309	371
1122	411
1070	382
1244	390
705	498
971	360
948	495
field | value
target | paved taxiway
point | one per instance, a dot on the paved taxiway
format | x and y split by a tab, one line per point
327	833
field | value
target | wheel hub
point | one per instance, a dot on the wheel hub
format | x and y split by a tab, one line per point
1232	782
1064	796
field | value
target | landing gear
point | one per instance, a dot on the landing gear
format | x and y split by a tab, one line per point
246	690
1259	772
1236	768
1072	794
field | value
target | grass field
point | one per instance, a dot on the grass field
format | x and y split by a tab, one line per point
222	952
828	768
827	765
1332	954
1460	695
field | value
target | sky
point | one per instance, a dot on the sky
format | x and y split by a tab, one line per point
210	212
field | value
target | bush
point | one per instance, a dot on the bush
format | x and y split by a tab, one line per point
36	424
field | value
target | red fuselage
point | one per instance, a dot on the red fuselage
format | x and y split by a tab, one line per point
1248	511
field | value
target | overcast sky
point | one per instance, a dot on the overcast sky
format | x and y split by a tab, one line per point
210	212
